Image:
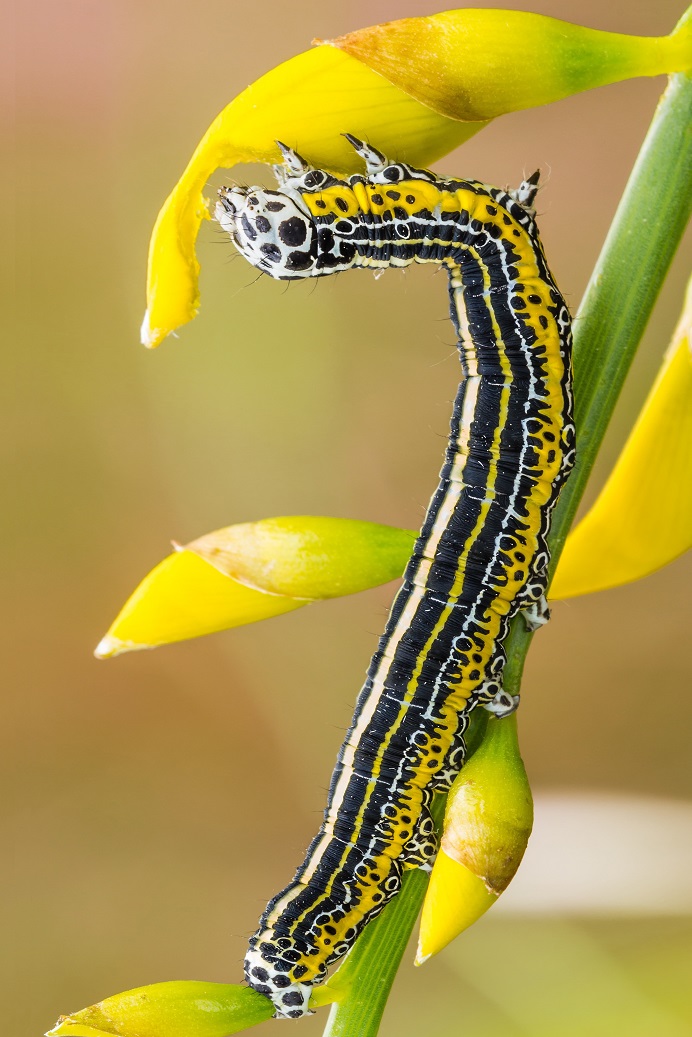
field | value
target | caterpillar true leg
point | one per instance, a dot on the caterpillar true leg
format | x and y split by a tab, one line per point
481	555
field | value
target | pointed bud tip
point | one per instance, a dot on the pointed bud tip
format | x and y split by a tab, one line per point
110	646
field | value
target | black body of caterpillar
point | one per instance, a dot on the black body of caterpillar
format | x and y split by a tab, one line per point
481	555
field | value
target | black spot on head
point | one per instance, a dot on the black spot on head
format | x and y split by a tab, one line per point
518	303
394	195
399	210
535	299
519	576
320	203
274	206
298	260
410	198
263	225
474	675
293	231
516	233
272	252
491	209
342	204
249	230
294	997
506	219
543	321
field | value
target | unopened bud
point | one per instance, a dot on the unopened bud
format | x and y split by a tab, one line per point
486	828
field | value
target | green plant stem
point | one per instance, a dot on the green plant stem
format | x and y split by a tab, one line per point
620	296
644	235
363	982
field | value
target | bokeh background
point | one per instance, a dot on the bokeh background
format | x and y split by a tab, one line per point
153	803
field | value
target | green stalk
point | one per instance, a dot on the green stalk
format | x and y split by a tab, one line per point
620	296
644	235
363	982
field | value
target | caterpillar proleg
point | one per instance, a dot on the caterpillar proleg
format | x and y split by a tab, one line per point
481	555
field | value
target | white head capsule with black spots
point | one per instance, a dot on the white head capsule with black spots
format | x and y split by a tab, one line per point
277	232
270	228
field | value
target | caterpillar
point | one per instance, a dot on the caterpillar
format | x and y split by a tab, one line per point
481	555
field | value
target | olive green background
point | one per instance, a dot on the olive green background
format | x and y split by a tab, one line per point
153	803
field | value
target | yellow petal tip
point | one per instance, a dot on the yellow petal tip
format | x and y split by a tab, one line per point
148	336
109	646
420	959
456	898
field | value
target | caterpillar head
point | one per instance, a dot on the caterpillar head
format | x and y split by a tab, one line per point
271	229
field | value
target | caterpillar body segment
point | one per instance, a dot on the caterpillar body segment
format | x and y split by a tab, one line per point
482	553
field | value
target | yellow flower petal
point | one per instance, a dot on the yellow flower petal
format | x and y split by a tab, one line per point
487	824
253	571
183	597
455	899
307	102
478	64
642	519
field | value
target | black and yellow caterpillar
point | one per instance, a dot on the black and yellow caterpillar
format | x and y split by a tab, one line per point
481	555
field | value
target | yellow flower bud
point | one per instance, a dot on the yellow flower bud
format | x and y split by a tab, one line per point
642	519
182	1008
486	828
475	64
253	571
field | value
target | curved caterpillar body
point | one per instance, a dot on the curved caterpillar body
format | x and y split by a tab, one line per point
481	555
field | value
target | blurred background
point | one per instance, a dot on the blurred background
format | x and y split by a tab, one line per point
142	833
